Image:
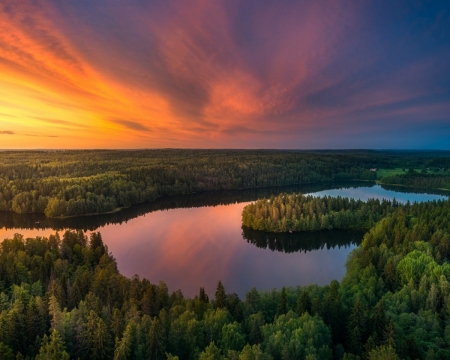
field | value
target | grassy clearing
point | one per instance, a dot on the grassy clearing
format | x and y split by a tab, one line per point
389	172
397	171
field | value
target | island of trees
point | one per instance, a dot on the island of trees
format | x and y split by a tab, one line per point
64	298
296	212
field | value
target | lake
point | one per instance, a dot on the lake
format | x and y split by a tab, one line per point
196	240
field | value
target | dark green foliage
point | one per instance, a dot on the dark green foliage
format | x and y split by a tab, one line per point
63	297
155	341
296	212
357	327
221	298
203	297
52	348
282	306
73	183
304	303
435	181
6	353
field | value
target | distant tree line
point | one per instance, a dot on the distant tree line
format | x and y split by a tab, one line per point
73	183
414	179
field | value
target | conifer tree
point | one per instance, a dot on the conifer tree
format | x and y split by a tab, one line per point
357	326
221	299
155	341
211	353
379	320
282	305
52	348
102	344
6	352
389	334
203	297
304	303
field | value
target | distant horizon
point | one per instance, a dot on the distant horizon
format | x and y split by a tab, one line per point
242	74
237	149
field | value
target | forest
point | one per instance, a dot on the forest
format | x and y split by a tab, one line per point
72	183
419	180
63	297
296	212
10	220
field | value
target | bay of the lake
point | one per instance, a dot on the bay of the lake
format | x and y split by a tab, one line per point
194	241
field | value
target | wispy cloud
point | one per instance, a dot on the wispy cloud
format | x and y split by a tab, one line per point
58	121
132	125
7	115
229	74
8	132
45	136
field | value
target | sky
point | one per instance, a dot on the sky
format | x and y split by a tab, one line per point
225	74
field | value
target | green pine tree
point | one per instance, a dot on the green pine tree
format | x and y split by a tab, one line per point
221	298
304	303
155	341
282	303
52	348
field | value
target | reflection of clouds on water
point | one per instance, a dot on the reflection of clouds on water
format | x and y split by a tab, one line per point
377	192
198	246
27	233
190	248
187	248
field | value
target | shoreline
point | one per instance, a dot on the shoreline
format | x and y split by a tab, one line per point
409	186
118	209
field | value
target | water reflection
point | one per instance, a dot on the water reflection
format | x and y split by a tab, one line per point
196	240
189	248
9	220
400	193
302	242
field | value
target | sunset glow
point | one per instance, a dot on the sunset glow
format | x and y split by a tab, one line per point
224	74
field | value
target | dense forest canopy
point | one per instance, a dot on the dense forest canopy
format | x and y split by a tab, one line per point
12	220
296	212
73	183
422	180
63	297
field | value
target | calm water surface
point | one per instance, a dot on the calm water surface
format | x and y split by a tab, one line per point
197	240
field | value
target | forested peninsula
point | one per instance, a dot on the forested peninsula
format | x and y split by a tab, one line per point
63	297
74	183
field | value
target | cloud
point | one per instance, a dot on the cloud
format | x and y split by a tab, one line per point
8	132
7	115
132	125
35	135
229	74
58	121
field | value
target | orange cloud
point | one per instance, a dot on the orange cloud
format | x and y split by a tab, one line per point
208	74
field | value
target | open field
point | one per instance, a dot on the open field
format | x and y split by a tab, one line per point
397	171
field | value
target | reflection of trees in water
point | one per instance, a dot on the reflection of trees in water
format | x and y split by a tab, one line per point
302	241
413	190
12	220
